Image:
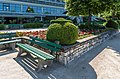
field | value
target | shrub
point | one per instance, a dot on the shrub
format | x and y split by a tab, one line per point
66	34
95	26
33	25
112	24
118	21
2	27
60	21
38	25
81	26
104	24
53	32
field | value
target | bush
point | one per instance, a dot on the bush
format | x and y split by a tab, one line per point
60	21
82	26
33	25
95	26
38	25
66	34
112	24
118	21
2	27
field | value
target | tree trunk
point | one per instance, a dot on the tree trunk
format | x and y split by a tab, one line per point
89	18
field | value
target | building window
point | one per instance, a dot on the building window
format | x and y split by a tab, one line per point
46	10
18	8
6	7
39	9
25	8
1	7
35	9
12	8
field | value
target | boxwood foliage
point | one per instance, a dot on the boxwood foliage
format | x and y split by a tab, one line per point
66	34
60	21
33	25
112	24
2	26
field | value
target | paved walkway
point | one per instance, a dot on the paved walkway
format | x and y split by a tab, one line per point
22	30
102	62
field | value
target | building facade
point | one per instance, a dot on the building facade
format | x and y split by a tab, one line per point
42	9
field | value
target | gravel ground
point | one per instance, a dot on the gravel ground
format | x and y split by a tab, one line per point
102	62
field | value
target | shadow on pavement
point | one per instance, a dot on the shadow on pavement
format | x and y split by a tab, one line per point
77	69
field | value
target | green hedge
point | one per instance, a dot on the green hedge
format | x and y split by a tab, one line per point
33	25
2	26
66	34
95	26
112	24
60	21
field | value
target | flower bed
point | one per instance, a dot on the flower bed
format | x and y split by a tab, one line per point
87	33
41	34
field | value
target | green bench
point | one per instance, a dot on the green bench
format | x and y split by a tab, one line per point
11	43
7	38
46	44
43	57
7	35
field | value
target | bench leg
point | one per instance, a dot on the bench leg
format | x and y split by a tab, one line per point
40	65
12	45
49	62
20	52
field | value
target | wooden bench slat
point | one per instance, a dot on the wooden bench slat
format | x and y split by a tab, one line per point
40	54
11	41
44	54
21	46
44	45
7	35
48	42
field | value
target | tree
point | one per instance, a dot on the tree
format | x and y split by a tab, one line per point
118	15
29	9
89	7
115	9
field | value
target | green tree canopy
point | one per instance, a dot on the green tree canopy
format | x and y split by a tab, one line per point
91	7
86	7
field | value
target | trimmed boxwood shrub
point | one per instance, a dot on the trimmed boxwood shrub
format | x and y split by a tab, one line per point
33	25
2	26
112	24
53	32
60	20
66	34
